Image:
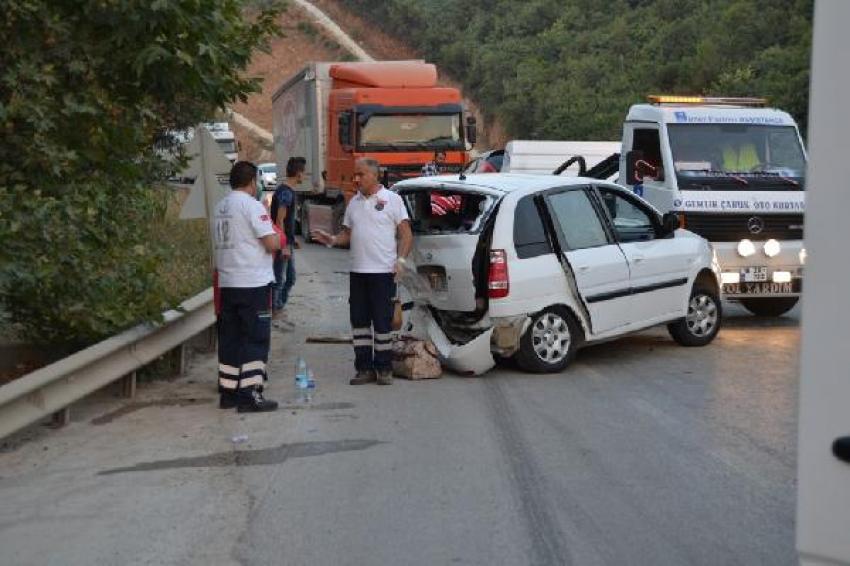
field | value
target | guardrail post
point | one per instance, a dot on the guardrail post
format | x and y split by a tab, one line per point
184	359
62	417
128	385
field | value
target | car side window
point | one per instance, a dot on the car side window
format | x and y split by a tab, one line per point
577	218
631	221
529	234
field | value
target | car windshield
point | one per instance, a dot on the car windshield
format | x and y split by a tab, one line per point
446	212
737	157
417	131
268	168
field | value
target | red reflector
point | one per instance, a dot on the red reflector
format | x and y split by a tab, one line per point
498	284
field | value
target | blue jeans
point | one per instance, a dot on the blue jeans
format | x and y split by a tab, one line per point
284	279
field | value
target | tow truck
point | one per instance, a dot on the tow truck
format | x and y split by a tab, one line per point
734	170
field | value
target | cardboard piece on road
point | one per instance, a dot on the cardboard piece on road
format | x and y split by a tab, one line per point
208	166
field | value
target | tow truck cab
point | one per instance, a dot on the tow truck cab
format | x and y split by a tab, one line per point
734	172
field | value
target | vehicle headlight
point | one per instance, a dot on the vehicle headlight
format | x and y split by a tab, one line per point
746	248
772	248
803	256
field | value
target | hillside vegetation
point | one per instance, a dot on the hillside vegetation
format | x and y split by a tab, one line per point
569	69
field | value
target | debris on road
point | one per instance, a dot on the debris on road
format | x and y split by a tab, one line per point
416	359
339	339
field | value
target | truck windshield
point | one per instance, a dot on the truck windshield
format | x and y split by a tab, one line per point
737	157
414	131
227	146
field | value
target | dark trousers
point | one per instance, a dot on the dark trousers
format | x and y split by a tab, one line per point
284	279
244	332
371	308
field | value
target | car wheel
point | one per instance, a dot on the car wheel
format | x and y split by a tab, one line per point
550	342
770	307
702	322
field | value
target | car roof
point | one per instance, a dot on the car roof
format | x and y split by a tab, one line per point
502	182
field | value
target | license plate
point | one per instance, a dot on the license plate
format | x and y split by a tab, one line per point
754	274
758	288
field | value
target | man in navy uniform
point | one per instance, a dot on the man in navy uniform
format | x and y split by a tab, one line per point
245	244
377	228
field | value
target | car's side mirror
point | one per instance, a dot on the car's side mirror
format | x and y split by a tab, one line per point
632	158
471	130
669	223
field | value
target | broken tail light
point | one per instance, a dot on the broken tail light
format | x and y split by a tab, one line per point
498	284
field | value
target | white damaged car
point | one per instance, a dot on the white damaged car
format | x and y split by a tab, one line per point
533	267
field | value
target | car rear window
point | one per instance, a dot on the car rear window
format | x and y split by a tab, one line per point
447	212
529	235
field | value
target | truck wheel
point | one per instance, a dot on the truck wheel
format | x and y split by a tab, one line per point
550	342
305	221
702	322
771	306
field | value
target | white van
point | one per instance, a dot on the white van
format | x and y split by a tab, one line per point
534	266
540	157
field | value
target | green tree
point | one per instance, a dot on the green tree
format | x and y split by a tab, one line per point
87	90
569	69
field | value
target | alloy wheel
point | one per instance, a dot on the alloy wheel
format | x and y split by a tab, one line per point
702	315
550	337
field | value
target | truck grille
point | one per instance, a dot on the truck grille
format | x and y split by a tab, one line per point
717	227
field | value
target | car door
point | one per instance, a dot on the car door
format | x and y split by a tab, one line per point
659	267
599	265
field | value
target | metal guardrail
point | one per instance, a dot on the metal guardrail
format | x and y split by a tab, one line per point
53	388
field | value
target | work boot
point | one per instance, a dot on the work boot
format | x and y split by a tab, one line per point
227	401
385	377
256	403
363	377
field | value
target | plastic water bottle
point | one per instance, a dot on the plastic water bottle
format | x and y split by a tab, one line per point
302	380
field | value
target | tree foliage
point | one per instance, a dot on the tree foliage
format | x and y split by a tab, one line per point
87	89
569	69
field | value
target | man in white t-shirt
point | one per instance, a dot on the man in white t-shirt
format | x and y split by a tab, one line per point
245	244
377	228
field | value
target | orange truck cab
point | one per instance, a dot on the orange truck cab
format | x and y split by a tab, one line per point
391	111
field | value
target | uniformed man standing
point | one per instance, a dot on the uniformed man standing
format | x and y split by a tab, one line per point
245	243
377	228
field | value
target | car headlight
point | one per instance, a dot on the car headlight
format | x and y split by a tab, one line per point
772	248
746	248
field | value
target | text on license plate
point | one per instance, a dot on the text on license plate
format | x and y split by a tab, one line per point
758	288
754	274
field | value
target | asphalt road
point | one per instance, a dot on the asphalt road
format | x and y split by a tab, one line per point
642	452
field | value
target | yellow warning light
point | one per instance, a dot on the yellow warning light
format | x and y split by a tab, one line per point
714	100
674	99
